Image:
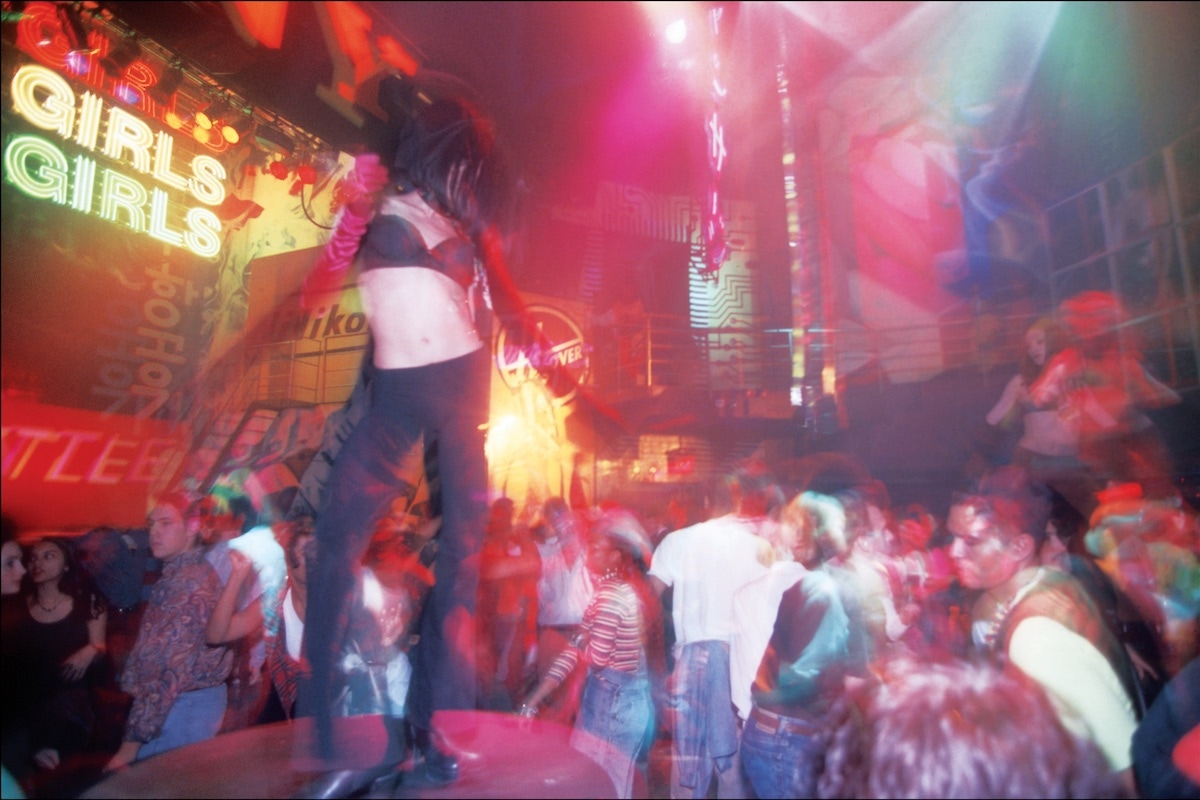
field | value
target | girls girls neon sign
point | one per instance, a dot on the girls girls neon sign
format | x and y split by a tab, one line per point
42	170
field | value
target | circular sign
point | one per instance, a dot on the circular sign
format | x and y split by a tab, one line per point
519	359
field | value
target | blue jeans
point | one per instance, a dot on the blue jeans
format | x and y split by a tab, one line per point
445	405
779	755
615	723
704	725
194	717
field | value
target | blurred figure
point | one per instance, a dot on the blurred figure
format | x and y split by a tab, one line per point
1166	745
1142	669
704	566
122	568
956	729
12	569
234	541
374	671
942	623
870	561
507	609
1149	549
793	624
176	679
12	563
422	227
283	623
1105	386
565	590
1039	620
57	648
1049	443
620	646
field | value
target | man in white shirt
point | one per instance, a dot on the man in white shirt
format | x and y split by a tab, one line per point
564	590
704	565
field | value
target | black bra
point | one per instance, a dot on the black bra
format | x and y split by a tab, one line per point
393	241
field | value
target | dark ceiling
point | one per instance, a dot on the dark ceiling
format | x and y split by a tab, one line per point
545	70
583	89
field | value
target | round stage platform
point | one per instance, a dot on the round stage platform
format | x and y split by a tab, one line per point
500	755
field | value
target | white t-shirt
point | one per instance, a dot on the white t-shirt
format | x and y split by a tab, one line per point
705	565
755	607
293	626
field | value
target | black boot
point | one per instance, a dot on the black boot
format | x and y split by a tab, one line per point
345	783
433	767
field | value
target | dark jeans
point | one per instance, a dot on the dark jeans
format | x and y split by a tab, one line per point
779	755
446	403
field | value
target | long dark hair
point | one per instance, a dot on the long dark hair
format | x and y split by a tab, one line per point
1056	341
445	147
75	581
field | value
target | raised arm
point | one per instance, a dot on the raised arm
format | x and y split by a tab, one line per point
329	273
1014	390
227	623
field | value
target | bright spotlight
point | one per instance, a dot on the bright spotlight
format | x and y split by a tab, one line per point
676	32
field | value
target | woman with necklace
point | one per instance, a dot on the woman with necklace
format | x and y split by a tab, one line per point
57	649
621	645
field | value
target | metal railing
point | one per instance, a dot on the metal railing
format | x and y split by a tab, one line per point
667	351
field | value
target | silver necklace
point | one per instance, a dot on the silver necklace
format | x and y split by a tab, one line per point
52	608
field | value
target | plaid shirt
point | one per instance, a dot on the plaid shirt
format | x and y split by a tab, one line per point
284	670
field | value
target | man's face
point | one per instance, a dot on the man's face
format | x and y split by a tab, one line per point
214	522
982	554
168	535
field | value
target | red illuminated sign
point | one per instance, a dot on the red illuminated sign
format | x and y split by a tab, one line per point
68	468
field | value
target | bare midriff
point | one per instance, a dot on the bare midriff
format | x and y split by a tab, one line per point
418	316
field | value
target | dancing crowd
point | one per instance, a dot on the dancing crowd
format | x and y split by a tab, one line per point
804	642
1036	637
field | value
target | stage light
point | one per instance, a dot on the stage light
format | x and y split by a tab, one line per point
234	129
307	173
676	32
279	170
210	115
73	29
14	12
167	85
120	58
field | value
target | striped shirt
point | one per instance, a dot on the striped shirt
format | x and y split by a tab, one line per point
612	633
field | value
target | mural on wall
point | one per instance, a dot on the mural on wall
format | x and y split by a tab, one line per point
921	150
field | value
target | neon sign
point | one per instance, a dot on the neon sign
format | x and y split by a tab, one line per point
41	170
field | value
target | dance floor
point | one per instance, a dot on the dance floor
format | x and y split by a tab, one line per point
500	755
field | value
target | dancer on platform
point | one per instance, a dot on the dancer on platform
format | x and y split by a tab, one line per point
424	229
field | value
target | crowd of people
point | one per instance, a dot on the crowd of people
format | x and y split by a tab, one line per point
789	638
824	643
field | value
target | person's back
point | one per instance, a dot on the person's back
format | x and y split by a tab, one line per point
704	566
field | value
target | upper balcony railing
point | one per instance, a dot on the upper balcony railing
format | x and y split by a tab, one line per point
667	351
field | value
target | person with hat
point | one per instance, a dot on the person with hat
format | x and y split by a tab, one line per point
620	643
